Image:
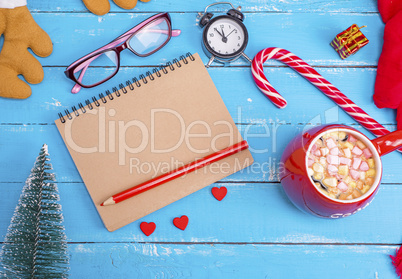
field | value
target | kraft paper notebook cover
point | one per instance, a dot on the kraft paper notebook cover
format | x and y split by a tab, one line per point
154	125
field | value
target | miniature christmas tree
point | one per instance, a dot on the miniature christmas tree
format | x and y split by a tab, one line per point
35	245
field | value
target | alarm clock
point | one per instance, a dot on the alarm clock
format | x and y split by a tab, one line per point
225	37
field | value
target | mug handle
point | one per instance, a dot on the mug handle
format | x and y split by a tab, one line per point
388	143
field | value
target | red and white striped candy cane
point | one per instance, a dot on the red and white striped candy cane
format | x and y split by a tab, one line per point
315	78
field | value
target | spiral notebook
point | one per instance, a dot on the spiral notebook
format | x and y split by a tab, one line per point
147	127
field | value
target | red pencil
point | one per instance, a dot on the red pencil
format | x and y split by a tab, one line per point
176	173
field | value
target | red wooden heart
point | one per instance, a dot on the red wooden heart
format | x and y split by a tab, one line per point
148	228
219	193
181	222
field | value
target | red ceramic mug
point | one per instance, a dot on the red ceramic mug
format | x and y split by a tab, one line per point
300	187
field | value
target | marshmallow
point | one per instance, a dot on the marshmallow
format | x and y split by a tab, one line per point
367	153
355	174
356	163
333	160
360	144
331	143
364	166
347	152
352	138
318	168
343	170
345	161
343	187
331	182
334	151
332	169
313	148
357	151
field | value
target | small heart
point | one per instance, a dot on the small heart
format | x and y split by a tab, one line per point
181	222
219	193
148	228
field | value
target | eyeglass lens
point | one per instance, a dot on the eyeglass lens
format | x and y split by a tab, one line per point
97	68
104	65
150	37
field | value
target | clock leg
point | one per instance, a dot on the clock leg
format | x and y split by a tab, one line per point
210	61
246	57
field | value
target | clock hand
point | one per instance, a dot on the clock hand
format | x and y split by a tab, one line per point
230	33
218	32
224	38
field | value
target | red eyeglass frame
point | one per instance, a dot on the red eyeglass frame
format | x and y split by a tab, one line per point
117	45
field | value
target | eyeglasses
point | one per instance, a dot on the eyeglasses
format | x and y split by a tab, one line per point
143	40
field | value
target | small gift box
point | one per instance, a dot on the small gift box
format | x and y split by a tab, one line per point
349	41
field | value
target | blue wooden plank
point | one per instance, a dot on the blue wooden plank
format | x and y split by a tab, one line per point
131	260
253	214
250	213
360	6
244	101
27	140
75	35
19	145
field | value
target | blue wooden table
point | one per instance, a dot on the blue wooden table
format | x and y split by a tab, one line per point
255	232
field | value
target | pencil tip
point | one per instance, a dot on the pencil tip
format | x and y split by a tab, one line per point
109	201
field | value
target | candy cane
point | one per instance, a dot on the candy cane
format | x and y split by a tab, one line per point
315	78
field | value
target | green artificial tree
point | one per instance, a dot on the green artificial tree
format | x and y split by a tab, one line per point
35	245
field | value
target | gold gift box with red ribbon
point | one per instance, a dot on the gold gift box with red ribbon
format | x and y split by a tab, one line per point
349	41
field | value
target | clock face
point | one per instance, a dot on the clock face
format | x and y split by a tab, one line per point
225	36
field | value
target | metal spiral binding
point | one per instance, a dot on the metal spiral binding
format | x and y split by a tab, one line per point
117	91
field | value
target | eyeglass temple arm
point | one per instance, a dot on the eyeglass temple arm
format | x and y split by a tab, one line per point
84	67
77	87
176	32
